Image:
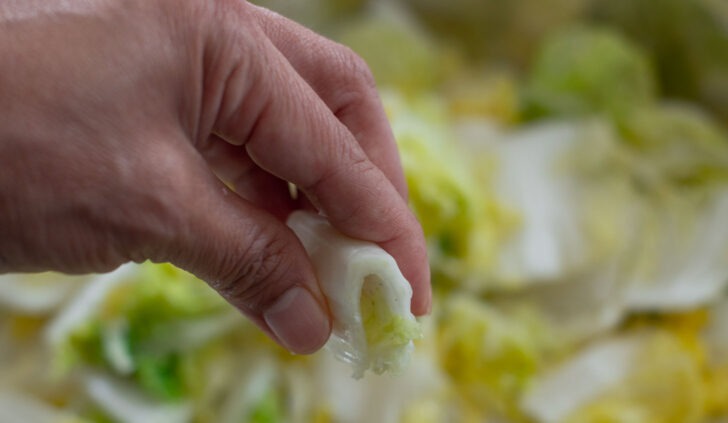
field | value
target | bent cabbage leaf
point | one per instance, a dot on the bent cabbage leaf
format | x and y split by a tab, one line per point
369	299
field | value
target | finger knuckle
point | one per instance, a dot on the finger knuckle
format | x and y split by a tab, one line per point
354	69
254	274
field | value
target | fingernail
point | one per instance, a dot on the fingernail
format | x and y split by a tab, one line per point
298	321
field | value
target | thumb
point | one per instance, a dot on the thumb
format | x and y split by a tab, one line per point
254	261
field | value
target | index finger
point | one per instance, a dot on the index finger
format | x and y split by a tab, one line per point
343	81
290	132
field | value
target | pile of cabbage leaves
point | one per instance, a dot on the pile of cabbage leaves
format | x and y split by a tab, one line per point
571	176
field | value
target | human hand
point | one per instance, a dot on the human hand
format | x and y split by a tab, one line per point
119	122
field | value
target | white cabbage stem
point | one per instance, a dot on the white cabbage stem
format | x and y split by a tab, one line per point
125	403
369	299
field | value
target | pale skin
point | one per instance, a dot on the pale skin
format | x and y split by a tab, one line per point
168	130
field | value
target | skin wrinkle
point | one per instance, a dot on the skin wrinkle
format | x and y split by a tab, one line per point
258	262
218	58
249	97
190	115
233	165
242	89
346	70
304	50
353	76
344	84
213	60
318	187
344	77
265	122
260	138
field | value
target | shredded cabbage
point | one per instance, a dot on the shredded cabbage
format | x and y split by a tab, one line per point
643	377
462	221
491	355
125	404
713	342
681	168
574	206
582	70
144	328
37	294
20	408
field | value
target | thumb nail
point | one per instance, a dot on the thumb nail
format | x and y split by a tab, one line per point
298	321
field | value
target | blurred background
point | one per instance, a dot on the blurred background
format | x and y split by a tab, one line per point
568	160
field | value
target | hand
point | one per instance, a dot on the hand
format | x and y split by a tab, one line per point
120	121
